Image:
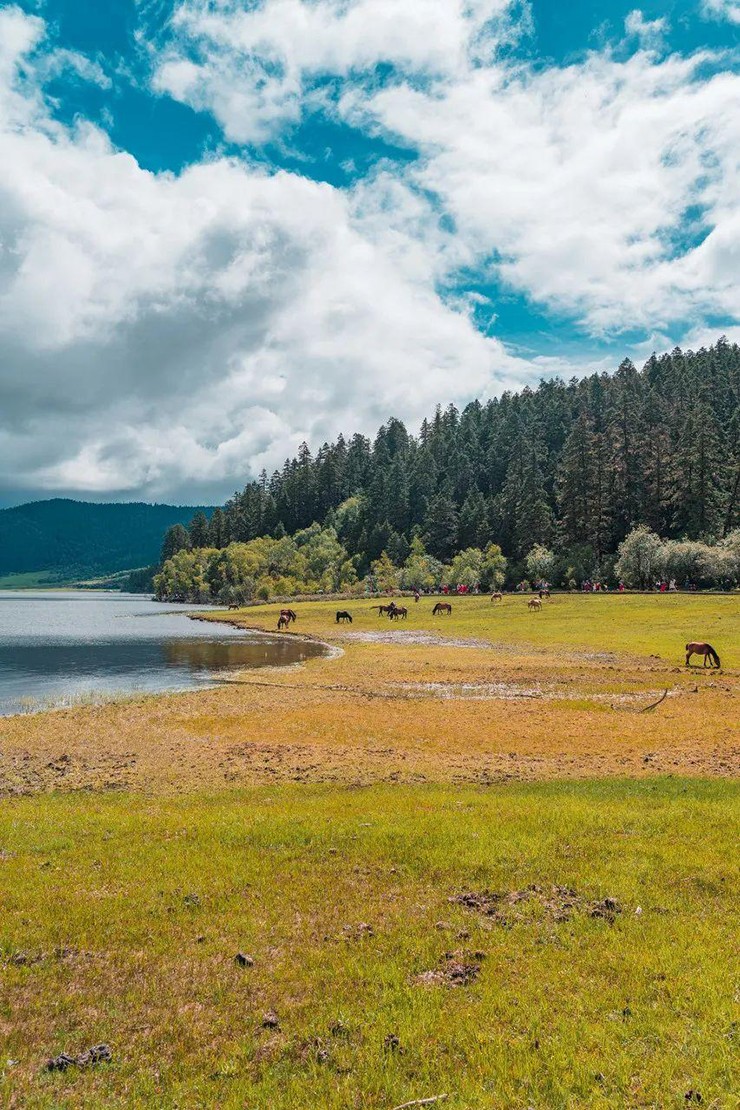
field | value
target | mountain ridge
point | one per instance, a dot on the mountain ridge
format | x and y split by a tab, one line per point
77	539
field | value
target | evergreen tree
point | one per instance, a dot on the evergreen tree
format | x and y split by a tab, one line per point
218	530
199	531
176	538
440	527
474	527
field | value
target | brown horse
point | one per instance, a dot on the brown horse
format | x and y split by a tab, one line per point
497	596
535	604
702	649
283	623
441	607
385	610
289	614
399	613
343	615
544	593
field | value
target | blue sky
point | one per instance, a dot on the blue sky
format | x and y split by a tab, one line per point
230	226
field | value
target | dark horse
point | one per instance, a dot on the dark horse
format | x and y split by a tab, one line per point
398	613
289	615
343	615
441	607
283	623
702	649
385	610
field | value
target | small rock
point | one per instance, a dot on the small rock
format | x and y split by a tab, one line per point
392	1043
270	1020
243	960
61	1062
96	1054
638	911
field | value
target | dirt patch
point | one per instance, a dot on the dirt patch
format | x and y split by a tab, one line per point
455	969
471	691
558	903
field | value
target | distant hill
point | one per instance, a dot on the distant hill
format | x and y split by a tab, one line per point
79	539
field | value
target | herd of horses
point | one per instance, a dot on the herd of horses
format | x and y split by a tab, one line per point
534	604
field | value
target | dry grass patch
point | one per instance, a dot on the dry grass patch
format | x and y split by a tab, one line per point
489	694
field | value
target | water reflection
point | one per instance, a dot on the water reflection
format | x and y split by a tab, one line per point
59	649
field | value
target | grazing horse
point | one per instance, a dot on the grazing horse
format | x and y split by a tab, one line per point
544	593
283	623
289	615
343	615
399	613
441	607
384	610
702	649
234	606
497	596
535	604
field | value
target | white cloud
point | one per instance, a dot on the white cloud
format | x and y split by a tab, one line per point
578	181
250	65
588	188
649	32
165	332
722	9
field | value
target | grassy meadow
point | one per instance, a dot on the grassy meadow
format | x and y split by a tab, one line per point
322	820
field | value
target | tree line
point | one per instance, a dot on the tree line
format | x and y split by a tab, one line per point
573	467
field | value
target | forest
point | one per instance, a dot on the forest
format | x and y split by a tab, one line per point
569	467
71	540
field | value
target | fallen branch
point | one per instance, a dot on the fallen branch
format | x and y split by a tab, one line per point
662	697
421	1102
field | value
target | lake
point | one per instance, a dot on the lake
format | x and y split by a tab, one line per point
59	647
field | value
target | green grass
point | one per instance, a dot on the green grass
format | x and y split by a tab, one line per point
641	624
30	580
576	1013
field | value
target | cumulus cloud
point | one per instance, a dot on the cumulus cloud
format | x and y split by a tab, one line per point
606	189
722	9
165	332
649	32
252	65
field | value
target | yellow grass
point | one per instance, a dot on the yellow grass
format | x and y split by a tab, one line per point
492	693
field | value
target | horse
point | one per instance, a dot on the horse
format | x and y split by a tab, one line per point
343	615
497	596
441	607
283	623
399	612
384	610
289	615
544	593
234	606
535	604
702	649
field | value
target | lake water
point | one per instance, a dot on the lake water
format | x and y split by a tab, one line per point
62	646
